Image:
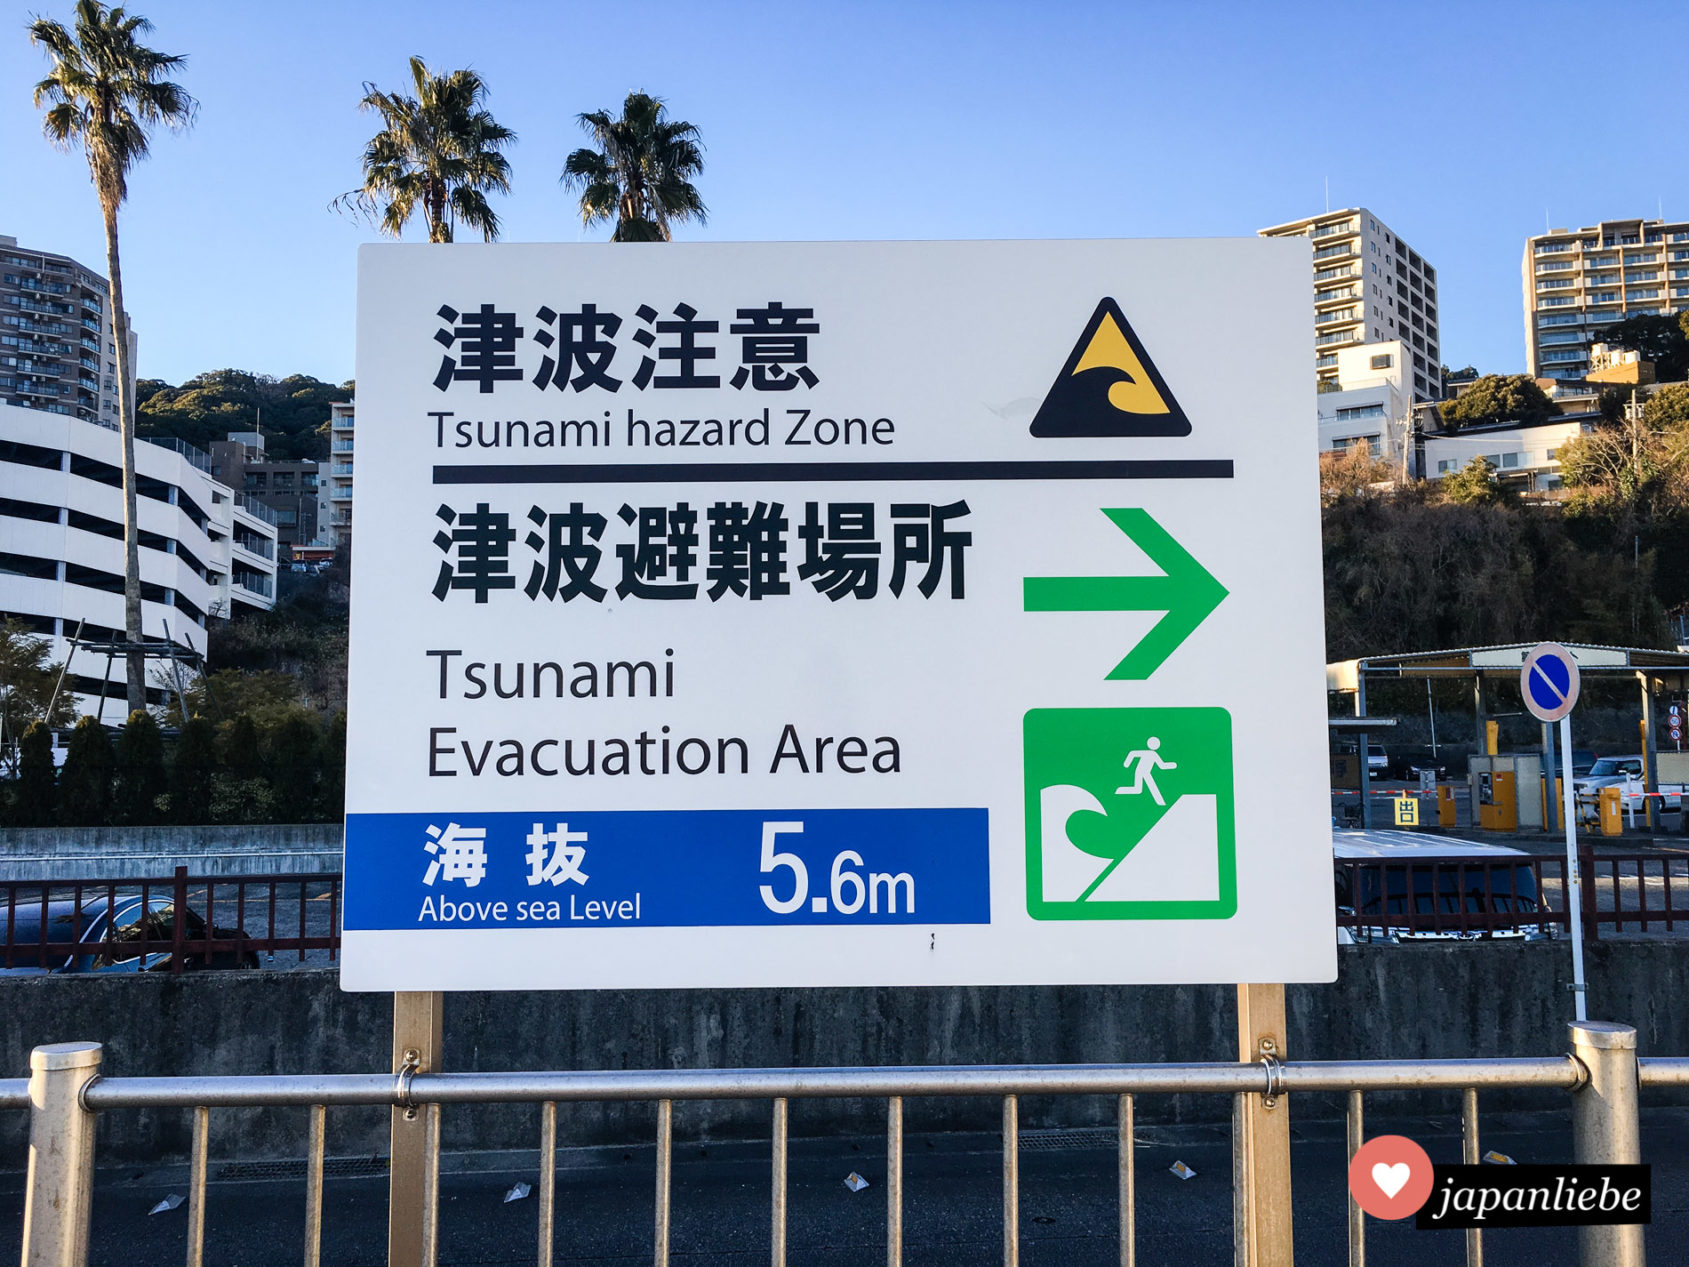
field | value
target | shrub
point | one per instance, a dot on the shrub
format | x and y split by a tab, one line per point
85	782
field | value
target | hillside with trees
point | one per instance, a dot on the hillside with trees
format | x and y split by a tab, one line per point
292	412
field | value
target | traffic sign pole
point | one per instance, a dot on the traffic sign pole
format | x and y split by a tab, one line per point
1549	681
1574	895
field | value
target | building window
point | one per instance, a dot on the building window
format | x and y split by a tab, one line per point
1383	362
1360	411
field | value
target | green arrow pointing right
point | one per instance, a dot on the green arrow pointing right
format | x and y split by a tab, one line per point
1186	591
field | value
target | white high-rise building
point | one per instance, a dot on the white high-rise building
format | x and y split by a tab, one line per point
1579	281
1369	287
335	488
58	349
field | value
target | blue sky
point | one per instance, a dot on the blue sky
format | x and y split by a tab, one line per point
1462	126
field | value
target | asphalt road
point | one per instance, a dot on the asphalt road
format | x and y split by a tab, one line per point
952	1205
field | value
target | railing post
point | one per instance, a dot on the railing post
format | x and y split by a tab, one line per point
1587	894
1606	1129
59	1194
178	920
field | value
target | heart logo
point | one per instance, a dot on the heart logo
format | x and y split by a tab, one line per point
1391	1179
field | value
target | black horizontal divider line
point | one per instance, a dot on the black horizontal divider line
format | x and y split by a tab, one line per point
822	472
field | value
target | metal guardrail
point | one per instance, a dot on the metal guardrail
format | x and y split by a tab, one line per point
1483	895
197	921
66	1091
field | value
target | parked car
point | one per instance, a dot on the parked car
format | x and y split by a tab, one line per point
1626	773
1396	883
1377	760
112	932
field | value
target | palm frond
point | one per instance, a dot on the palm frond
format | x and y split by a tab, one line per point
439	151
638	172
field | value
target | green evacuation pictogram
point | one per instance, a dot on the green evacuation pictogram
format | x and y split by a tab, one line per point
1130	814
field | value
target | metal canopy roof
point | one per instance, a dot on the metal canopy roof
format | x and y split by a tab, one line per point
1505	661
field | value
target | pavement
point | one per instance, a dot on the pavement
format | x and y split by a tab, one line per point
952	1207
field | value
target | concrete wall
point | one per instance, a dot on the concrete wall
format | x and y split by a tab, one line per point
1403	1002
105	853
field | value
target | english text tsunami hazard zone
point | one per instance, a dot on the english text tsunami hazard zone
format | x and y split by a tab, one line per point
822	472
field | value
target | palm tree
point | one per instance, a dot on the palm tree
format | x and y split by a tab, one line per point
439	151
105	93
640	174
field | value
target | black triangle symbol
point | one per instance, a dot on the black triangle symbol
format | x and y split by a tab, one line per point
1084	400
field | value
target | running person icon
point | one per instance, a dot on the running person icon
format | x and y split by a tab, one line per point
1146	761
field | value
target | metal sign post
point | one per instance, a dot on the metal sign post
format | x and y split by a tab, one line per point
1549	681
1261	1142
414	1167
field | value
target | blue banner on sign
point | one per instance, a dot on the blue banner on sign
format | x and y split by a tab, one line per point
667	868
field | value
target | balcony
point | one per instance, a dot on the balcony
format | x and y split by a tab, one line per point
255	508
340	493
341	446
1343	250
1333	230
340	468
261	547
198	457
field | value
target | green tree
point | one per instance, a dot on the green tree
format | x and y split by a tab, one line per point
295	753
292	412
104	94
85	782
192	770
140	770
1668	408
241	794
1662	340
1474	484
1498	398
37	790
439	151
641	174
264	695
333	789
238	750
27	682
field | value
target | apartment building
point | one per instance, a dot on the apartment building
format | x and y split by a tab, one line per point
1579	281
58	346
336	486
289	488
207	551
1526	458
1370	401
1369	287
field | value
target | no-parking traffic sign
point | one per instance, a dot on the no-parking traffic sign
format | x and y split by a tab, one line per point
1549	681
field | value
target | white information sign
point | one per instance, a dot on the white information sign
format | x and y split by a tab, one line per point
824	614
